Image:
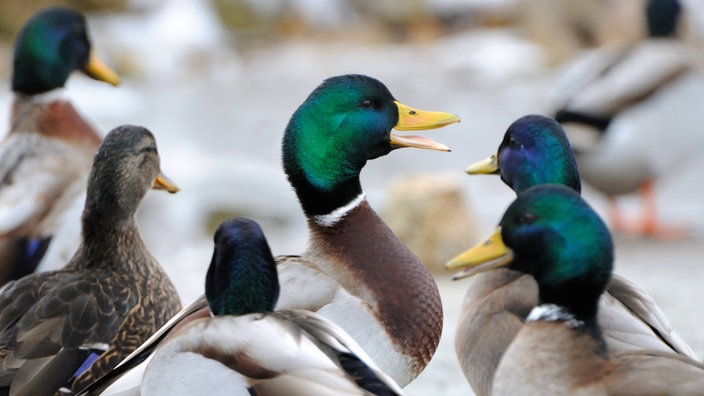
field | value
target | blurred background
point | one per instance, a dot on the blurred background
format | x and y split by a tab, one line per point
217	80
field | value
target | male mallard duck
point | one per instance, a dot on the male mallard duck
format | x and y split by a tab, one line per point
635	103
247	348
354	271
45	158
535	151
550	233
365	279
68	327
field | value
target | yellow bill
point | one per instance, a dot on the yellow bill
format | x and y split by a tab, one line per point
488	166
98	70
164	183
490	254
410	119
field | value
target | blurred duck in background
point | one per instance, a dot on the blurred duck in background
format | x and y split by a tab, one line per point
46	156
550	233
535	151
630	112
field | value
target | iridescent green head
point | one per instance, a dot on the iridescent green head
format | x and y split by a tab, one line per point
535	150
552	234
53	44
242	276
343	123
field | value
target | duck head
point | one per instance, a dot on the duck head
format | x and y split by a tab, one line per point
125	167
535	150
242	277
50	47
343	123
550	233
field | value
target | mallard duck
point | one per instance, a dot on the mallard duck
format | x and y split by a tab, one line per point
550	233
628	110
67	327
535	151
354	271
46	156
247	348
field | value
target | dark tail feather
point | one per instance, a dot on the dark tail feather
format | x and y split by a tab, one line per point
598	122
363	375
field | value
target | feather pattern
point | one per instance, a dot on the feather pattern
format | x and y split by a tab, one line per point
246	347
111	295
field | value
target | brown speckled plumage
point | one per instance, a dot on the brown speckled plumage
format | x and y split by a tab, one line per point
112	292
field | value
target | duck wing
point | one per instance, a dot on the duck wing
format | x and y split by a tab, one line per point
52	322
647	328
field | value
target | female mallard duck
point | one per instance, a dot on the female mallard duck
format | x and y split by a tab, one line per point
354	272
535	151
634	102
65	328
550	233
45	158
247	348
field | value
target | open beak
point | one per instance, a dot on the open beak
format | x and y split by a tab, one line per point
98	70
164	183
410	119
490	254
489	166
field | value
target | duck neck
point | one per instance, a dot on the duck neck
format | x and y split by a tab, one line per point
323	199
556	313
364	256
109	238
50	114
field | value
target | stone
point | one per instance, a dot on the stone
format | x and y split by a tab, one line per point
430	214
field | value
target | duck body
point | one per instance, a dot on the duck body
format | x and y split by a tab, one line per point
46	156
535	150
247	348
310	354
64	328
550	233
553	347
357	301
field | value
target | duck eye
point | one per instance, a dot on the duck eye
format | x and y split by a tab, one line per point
150	149
527	218
367	103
